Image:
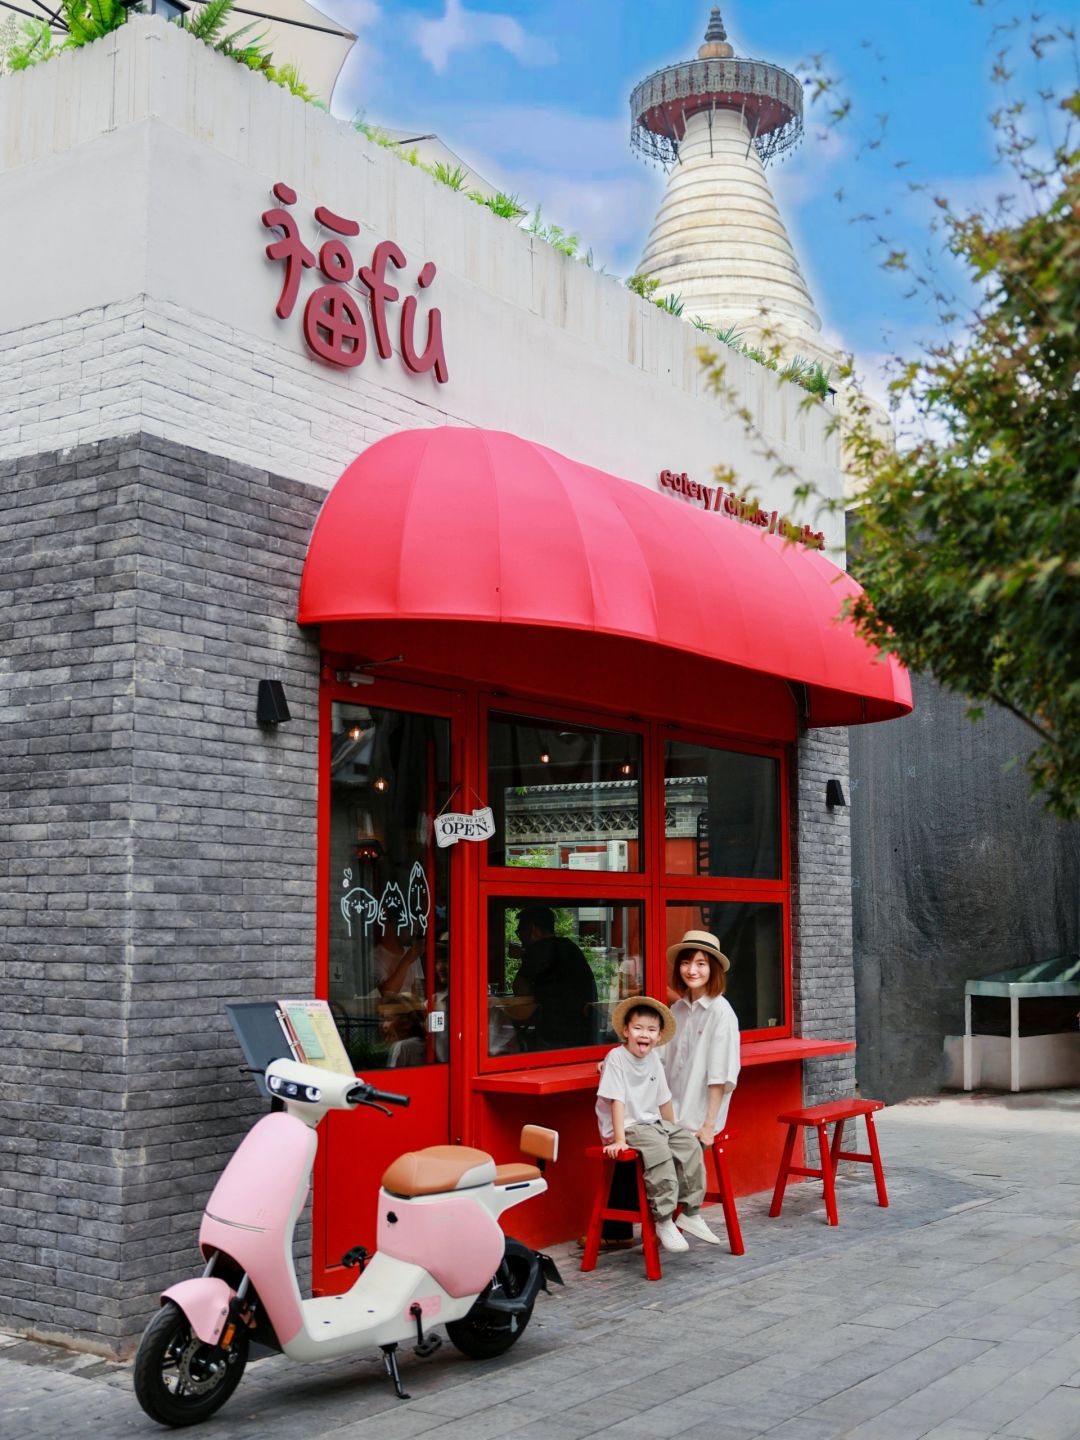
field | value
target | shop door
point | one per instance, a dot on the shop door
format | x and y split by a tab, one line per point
386	963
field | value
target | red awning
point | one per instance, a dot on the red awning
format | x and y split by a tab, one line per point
468	527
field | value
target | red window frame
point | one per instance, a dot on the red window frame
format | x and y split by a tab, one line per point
652	887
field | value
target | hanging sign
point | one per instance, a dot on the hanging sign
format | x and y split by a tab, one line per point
451	827
334	314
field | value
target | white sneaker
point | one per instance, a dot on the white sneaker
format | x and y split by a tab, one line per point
669	1237
695	1225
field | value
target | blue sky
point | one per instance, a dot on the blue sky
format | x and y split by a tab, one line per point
534	93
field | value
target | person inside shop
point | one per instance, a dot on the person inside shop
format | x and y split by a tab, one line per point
403	1024
398	963
556	976
634	1111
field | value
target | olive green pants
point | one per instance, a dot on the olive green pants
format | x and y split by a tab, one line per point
673	1165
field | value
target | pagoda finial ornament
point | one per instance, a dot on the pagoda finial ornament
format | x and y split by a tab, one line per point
715	46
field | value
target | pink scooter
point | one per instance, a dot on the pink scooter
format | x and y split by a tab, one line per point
441	1257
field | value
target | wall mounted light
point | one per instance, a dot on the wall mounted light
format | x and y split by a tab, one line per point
271	707
381	784
545	757
355	732
627	767
834	794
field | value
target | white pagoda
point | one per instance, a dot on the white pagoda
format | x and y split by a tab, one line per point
718	242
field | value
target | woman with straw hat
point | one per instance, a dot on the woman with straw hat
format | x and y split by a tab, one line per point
702	1062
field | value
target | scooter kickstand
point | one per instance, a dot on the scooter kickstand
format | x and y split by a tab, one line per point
389	1354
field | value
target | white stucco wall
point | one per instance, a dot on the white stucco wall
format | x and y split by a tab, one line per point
137	293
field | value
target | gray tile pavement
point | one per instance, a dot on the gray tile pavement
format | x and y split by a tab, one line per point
952	1315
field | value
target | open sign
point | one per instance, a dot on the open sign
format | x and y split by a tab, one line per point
450	827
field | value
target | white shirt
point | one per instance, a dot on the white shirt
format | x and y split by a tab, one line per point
705	1052
639	1083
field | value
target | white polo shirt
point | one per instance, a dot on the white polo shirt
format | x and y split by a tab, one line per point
639	1082
705	1052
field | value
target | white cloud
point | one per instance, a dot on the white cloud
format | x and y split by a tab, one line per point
462	29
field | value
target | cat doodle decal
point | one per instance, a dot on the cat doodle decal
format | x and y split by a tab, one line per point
419	897
392	907
362	904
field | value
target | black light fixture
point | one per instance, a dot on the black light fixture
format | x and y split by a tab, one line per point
271	707
834	794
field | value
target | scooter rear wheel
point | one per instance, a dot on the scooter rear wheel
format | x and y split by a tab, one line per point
178	1379
483	1334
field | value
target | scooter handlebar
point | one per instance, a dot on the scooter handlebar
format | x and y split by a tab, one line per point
364	1094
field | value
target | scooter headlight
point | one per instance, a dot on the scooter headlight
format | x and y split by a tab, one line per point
274	1082
312	1093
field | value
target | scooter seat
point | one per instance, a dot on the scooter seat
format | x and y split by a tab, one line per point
437	1169
516	1172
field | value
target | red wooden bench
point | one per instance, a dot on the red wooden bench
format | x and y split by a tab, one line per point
820	1117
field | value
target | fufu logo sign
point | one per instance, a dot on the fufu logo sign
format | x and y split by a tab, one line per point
333	324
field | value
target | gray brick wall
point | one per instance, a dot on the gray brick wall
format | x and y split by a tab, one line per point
157	853
824	991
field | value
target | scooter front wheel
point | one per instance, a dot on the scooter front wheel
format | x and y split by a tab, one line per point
483	1333
179	1380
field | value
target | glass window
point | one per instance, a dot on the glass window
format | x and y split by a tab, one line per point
555	968
751	935
389	922
721	812
564	797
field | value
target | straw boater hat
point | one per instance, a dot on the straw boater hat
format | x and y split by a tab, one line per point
644	1002
699	940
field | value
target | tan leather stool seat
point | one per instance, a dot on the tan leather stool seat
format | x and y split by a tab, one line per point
437	1169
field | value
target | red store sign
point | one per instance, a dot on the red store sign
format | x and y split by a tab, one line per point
715	497
334	314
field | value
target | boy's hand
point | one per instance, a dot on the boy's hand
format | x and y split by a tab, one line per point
614	1148
706	1135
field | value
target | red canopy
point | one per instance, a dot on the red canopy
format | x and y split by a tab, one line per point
466	527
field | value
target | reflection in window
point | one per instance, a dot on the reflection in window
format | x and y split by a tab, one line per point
564	797
751	935
555	969
721	812
388	922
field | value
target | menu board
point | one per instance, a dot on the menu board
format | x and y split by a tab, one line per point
313	1035
301	1030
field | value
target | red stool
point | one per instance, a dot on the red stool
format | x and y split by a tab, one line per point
724	1192
603	1210
835	1113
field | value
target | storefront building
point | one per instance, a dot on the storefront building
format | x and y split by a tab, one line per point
525	691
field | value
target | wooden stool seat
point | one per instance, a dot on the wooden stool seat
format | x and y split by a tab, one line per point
603	1209
820	1117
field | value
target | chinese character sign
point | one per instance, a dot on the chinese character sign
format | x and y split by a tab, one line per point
334	322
